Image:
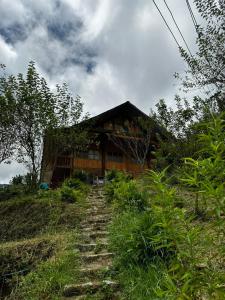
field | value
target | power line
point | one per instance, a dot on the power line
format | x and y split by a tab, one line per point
194	22
192	15
167	25
177	27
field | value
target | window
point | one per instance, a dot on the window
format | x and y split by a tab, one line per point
115	156
93	154
82	154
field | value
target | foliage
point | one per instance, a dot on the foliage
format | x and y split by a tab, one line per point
127	195
134	139
7	119
73	190
33	215
70	195
206	67
38	112
74	183
11	192
181	125
205	174
19	258
113	178
81	175
162	238
18	179
49	278
112	174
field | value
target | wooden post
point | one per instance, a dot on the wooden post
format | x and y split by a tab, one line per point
103	152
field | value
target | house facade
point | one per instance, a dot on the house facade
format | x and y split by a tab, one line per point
119	143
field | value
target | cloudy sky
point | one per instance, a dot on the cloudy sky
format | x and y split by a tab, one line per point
108	51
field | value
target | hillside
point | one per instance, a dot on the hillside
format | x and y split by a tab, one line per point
36	233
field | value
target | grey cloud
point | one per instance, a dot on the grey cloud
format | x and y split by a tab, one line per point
108	51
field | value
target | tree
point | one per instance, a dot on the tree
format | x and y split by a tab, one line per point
206	69
7	119
136	141
40	112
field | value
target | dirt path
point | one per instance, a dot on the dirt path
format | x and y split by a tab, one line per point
96	260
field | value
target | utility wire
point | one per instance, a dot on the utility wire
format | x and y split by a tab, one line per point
192	15
167	25
177	27
194	22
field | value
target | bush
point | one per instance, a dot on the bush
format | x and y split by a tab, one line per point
18	179
127	195
74	183
117	175
112	174
11	192
81	175
141	239
113	180
70	195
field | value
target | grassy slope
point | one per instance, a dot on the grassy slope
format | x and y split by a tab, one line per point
153	281
37	235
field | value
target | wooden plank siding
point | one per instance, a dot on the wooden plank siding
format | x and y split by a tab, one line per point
85	163
96	165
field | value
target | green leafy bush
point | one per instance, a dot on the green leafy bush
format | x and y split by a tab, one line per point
81	175
113	180
206	175
70	195
74	183
112	174
127	195
141	239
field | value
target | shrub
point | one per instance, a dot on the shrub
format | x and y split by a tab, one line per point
18	179
112	174
74	183
117	175
81	175
127	195
70	195
114	179
141	239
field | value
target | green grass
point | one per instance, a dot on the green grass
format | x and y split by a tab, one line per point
30	216
49	278
193	265
37	251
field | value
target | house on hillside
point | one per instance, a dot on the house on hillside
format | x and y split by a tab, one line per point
120	143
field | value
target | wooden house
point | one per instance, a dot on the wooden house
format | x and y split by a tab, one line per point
117	135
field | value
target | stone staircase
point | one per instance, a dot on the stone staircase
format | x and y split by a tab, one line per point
96	260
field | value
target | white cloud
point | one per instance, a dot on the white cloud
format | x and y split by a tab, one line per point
7	52
134	54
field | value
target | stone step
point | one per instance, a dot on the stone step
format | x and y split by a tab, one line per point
94	228
95	234
94	212
98	215
95	271
97	220
91	246
92	257
89	287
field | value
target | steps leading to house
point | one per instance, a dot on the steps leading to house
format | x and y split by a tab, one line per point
96	260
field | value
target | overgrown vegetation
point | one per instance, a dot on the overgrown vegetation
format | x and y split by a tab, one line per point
38	234
165	250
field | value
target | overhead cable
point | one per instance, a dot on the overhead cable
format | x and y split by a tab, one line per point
167	25
177	27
